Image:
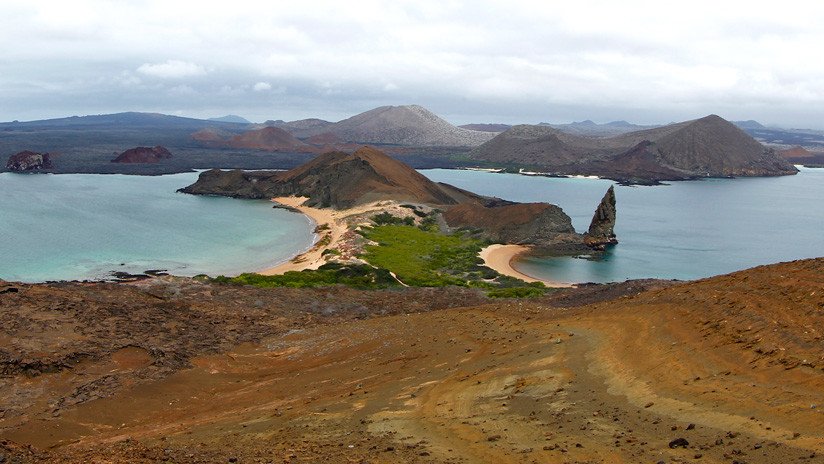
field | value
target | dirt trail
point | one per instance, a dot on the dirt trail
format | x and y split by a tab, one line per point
510	382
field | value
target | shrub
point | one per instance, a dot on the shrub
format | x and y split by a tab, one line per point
515	292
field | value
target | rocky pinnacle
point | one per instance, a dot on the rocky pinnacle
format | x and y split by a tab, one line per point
602	228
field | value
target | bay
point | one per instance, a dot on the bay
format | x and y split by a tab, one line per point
685	230
84	226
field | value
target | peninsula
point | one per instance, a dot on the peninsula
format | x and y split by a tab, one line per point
359	187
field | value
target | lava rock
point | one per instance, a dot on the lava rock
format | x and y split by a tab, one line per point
29	161
679	443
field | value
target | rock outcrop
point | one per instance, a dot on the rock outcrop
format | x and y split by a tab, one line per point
29	161
143	155
602	228
520	223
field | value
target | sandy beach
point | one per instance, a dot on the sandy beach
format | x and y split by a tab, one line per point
331	225
499	258
327	238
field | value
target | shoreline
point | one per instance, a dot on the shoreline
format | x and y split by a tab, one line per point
499	258
312	258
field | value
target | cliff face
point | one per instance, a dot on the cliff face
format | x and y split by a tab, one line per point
143	155
520	223
29	161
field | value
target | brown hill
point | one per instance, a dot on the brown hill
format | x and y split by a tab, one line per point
270	139
410	125
143	155
706	147
714	147
796	152
212	136
324	138
336	179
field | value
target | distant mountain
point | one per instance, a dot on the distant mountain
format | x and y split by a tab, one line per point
119	120
270	139
592	129
410	125
796	152
231	118
750	124
706	147
486	127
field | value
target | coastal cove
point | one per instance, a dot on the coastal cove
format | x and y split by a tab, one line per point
85	226
684	230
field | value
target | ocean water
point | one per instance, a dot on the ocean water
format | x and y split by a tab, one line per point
78	226
685	230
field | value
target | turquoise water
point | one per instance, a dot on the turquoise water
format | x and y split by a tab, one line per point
685	230
78	226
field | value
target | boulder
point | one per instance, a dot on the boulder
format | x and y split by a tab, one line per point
29	161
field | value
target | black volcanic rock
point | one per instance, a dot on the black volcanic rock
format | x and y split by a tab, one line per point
29	161
602	228
143	155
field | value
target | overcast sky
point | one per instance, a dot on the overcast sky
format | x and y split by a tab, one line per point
645	62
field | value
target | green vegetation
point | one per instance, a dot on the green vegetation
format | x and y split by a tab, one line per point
423	258
420	256
516	292
386	218
358	276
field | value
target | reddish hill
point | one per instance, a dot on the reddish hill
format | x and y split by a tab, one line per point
143	155
325	138
212	136
270	139
796	152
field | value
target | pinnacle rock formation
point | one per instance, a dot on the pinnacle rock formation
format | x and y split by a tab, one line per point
602	228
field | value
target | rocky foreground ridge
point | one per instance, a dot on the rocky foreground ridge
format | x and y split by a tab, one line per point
721	370
341	180
706	147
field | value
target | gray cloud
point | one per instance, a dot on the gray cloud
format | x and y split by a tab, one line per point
480	62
